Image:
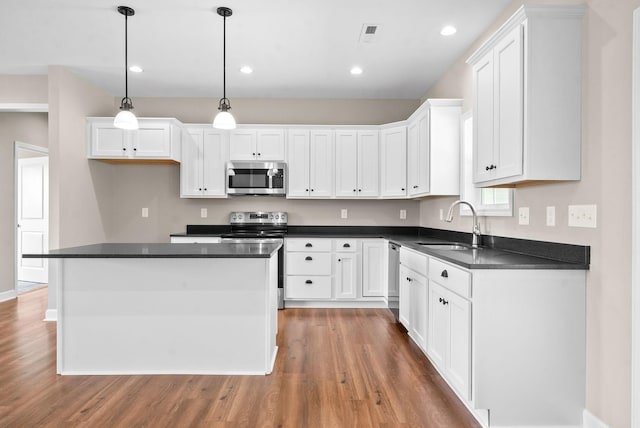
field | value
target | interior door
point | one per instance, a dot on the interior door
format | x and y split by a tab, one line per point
33	218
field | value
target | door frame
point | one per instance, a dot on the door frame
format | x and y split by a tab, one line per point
17	145
635	223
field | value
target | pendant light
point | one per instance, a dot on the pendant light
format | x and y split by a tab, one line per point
126	119
224	119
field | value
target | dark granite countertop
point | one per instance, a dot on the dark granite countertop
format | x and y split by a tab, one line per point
496	252
168	251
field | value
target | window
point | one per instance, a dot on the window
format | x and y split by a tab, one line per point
487	202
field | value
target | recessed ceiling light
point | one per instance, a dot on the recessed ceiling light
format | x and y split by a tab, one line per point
135	69
246	70
356	70
448	30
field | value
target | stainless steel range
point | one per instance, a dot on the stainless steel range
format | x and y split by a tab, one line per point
261	227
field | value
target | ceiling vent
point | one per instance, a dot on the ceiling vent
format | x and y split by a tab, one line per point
370	33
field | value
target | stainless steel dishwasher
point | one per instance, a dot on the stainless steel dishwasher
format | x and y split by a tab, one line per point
393	288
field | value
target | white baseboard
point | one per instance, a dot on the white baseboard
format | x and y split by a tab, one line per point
591	421
51	315
8	295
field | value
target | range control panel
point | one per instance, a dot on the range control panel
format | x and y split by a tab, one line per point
258	217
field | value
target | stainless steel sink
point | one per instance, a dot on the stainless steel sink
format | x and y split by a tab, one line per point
443	246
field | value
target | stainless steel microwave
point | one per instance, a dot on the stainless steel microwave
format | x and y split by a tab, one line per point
256	178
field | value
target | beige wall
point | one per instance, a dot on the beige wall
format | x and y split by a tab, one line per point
606	181
30	128
23	89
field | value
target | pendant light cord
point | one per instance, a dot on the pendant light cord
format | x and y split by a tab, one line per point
126	57
224	57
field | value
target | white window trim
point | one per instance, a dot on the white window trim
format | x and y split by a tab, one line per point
468	192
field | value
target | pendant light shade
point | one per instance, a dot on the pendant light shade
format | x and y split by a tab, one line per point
125	119
224	119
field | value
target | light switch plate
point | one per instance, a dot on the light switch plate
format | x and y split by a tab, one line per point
583	215
145	212
344	213
403	214
551	216
203	212
523	216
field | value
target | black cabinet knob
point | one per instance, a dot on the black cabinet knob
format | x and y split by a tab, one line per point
409	279
486	168
346	246
205	189
312	190
253	154
308	281
308	245
354	190
402	189
440	300
444	274
445	302
135	149
259	154
415	187
308	258
339	260
306	190
359	190
200	189
124	149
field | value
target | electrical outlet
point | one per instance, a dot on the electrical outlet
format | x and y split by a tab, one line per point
441	214
203	212
551	216
523	216
583	215
145	212
344	213
403	214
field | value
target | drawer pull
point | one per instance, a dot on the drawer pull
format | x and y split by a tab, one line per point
443	301
346	246
444	274
409	279
308	281
308	245
308	258
339	260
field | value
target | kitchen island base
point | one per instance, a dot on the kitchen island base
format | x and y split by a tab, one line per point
167	316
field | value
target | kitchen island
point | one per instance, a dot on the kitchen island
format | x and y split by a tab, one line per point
166	308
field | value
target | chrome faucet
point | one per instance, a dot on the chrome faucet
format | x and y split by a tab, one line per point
476	227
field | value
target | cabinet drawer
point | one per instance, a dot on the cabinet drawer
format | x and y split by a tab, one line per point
308	287
346	245
308	245
451	277
414	261
308	263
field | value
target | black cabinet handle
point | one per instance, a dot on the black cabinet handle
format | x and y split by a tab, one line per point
490	167
124	149
415	187
306	190
253	154
402	189
308	281
308	258
308	245
200	188
312	190
359	190
346	246
409	279
205	189
444	274
445	302
440	300
259	154
339	260
354	190
135	149
486	168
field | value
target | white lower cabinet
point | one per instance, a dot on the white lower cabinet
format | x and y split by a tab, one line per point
449	343
334	270
413	295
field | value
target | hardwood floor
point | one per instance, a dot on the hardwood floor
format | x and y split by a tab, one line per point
335	368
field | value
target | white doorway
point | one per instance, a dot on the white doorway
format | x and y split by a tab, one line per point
32	215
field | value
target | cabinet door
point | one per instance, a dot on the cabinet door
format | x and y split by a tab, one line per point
298	163
151	140
346	275
418	156
459	358
438	336
368	164
393	176
419	309
242	144
509	87
404	298
374	276
107	141
191	164
346	163
483	126
321	164
270	144
215	156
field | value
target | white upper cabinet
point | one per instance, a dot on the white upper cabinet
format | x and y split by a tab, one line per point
527	103
205	152
393	162
357	163
156	140
311	163
257	144
433	155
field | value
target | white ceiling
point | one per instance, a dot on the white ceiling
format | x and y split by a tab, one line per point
297	48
